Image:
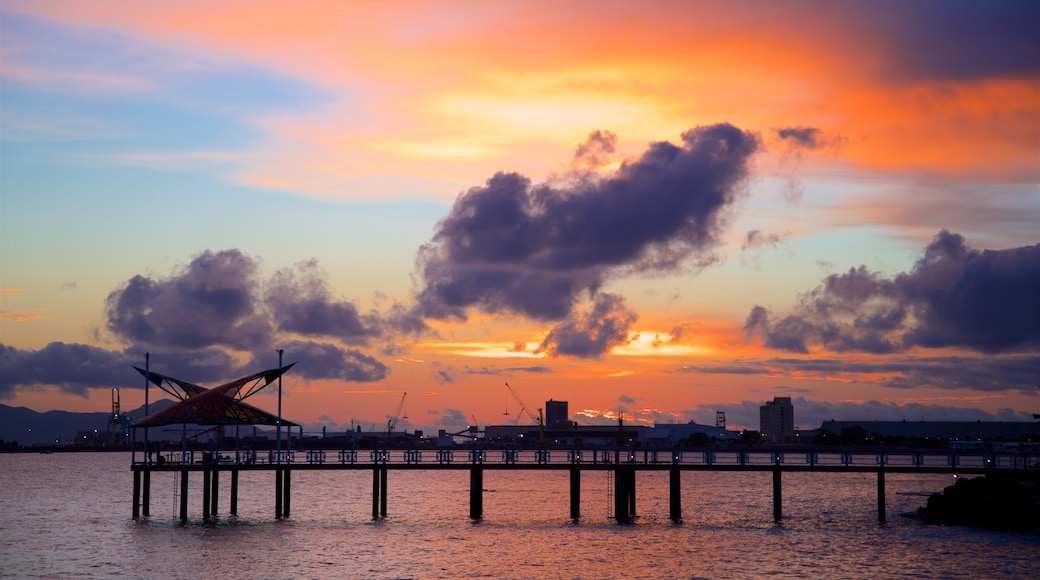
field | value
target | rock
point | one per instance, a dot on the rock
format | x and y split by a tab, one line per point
997	501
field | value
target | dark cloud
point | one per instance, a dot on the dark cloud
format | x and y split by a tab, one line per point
981	373
955	296
957	39
73	368
514	247
591	334
77	367
316	360
210	302
801	137
300	302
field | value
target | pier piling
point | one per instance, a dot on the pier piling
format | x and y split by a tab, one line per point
215	493
137	495
184	495
778	512
674	496
375	493
624	495
382	491
278	493
476	493
207	487
575	494
234	493
146	494
881	495
286	490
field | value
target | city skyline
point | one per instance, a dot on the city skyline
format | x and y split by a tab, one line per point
659	211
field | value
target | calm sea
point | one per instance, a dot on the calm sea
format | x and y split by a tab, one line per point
68	515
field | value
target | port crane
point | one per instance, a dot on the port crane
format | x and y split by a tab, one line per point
391	423
524	409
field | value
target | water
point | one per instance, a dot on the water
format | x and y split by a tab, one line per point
69	516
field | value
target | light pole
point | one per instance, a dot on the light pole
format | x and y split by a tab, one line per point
279	428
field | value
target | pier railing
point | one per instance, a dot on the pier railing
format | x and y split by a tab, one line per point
590	458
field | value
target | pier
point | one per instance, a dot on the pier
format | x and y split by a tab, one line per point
622	462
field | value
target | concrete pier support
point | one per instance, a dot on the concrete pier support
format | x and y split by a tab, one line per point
206	496
287	491
778	512
375	493
278	493
234	493
575	494
184	495
379	476
881	495
137	495
215	494
674	495
476	493
382	491
624	495
146	494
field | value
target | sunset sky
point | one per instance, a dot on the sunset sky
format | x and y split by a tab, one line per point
660	209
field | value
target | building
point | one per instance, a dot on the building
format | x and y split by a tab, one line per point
776	420
672	434
556	415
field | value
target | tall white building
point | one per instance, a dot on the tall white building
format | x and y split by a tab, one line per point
777	420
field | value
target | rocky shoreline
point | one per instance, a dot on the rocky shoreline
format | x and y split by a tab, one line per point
997	501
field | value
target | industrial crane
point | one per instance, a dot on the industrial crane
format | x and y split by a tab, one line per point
391	423
524	409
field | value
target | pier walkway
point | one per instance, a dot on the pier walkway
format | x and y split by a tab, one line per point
623	462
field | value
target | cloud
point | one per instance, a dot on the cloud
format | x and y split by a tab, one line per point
958	40
802	137
212	301
811	414
316	360
978	373
73	368
955	296
591	334
192	319
595	151
535	250
300	302
758	239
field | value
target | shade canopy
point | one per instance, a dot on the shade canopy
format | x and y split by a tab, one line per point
220	405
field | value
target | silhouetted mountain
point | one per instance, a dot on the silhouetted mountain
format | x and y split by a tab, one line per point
29	427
